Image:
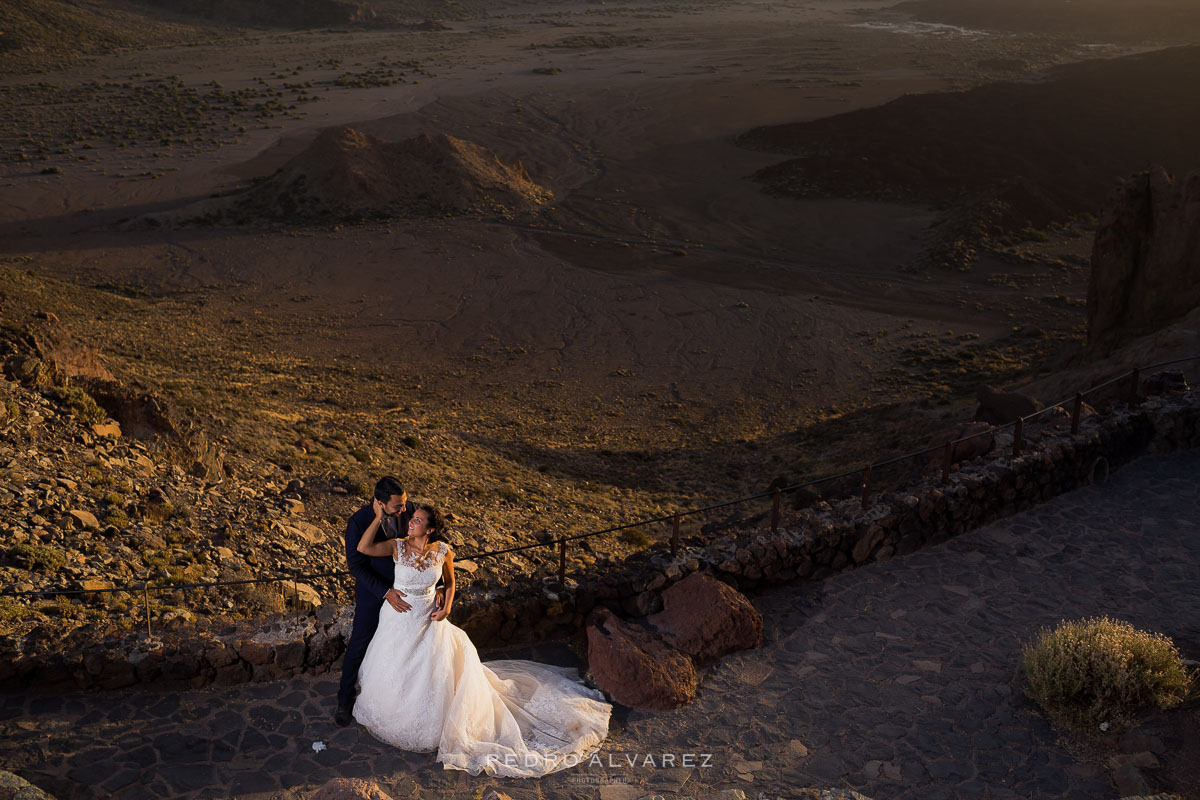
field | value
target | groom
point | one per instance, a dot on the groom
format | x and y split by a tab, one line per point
373	579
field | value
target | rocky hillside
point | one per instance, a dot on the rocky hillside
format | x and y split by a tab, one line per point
87	505
130	464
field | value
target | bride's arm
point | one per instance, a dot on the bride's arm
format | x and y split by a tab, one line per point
448	578
367	544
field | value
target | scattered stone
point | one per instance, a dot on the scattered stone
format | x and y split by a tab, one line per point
85	519
307	598
796	749
1164	382
110	429
301	531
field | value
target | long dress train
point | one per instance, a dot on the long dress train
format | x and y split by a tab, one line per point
424	688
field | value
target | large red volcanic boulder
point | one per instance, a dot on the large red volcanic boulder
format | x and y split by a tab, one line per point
635	667
1145	259
707	619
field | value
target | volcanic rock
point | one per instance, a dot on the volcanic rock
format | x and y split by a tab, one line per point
706	618
1145	259
998	407
1163	382
634	667
86	519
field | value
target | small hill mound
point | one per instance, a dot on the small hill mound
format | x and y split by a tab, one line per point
347	174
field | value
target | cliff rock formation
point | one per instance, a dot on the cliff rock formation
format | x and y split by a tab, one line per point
1145	260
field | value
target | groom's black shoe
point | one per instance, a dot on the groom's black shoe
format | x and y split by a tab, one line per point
341	717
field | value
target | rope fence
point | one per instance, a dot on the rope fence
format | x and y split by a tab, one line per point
865	481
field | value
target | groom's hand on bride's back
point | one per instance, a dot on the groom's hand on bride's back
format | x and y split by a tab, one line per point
395	599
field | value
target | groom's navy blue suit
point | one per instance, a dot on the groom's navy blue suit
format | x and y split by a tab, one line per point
373	576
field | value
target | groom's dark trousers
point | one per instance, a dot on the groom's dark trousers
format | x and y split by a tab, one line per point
372	579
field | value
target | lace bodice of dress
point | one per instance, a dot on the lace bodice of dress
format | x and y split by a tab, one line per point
420	571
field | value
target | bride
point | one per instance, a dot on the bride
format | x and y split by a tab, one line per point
424	687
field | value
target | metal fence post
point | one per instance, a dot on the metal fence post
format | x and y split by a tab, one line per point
947	458
146	598
1076	413
775	512
675	534
1018	433
1133	388
866	486
562	561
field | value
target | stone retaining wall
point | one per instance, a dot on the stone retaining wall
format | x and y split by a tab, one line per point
812	544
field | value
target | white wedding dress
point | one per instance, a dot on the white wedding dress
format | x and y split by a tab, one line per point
424	688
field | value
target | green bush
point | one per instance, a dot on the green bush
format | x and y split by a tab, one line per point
10	610
37	557
634	536
158	512
78	402
1095	671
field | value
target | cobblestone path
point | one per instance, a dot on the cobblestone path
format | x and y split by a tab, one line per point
899	680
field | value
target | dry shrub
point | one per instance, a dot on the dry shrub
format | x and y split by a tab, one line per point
253	599
1095	671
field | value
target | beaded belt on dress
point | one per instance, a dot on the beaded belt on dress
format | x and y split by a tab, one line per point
414	591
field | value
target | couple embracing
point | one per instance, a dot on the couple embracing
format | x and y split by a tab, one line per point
423	687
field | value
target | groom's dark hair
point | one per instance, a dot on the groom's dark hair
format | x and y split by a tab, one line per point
386	488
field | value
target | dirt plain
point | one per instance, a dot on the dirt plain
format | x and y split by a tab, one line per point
663	335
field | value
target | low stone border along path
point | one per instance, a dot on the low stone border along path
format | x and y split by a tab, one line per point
899	680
